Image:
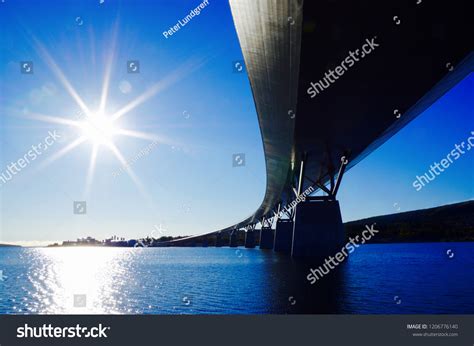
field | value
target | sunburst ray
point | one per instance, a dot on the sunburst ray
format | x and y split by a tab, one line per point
52	119
108	68
141	135
43	52
129	171
91	170
166	82
62	152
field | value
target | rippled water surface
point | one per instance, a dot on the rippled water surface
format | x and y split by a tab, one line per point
388	278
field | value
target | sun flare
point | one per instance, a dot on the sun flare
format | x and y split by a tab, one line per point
99	128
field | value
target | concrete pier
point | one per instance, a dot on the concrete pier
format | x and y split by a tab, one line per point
266	238
283	236
318	230
250	239
233	241
219	240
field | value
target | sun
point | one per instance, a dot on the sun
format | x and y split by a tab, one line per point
99	128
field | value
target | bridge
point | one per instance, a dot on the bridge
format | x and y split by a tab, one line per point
332	81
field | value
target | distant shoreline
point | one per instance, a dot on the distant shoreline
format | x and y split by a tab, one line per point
448	223
113	247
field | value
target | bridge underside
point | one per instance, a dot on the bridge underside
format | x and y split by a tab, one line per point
418	52
416	61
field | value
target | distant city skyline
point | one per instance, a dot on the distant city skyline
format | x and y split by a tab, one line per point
189	111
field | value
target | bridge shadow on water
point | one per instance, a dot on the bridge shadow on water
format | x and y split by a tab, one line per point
294	293
415	278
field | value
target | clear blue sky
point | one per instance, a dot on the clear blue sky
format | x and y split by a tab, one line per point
207	115
382	182
204	112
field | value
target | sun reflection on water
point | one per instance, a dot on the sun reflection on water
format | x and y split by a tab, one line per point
82	280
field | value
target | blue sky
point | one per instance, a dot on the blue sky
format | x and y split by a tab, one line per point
382	182
207	115
201	110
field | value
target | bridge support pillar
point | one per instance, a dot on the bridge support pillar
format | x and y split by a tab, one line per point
233	241
250	239
219	240
283	236
266	238
318	230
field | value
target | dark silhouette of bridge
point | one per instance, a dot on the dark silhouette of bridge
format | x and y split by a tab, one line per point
332	81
